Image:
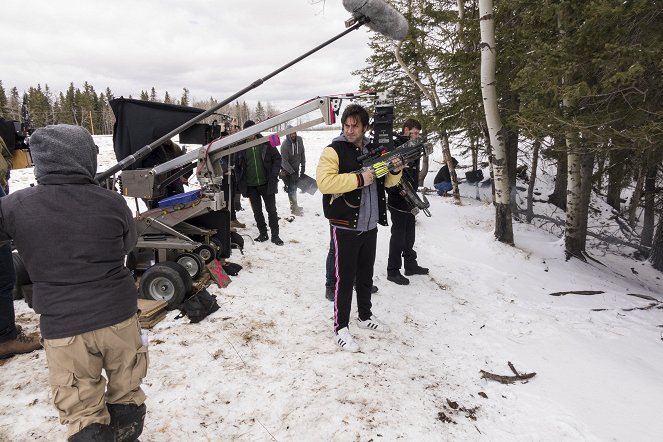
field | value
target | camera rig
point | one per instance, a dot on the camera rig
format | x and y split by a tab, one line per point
16	135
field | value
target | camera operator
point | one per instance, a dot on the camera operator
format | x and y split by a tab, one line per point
12	339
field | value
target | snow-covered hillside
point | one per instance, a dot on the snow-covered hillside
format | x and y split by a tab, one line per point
264	367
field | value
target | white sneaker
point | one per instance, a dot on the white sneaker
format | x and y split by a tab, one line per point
373	324
345	340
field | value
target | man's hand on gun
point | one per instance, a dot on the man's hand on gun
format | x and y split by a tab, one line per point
396	165
365	177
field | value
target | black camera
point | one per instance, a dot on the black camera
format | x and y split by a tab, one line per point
14	134
383	123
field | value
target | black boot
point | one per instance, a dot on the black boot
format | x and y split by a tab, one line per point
262	237
397	278
416	270
275	236
127	421
93	433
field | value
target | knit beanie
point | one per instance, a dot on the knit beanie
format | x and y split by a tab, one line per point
63	149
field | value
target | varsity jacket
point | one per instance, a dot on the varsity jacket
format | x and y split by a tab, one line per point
345	204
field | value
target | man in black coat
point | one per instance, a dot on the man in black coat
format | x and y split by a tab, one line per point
401	244
257	176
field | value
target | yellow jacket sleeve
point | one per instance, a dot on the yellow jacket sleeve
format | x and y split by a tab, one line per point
391	180
327	176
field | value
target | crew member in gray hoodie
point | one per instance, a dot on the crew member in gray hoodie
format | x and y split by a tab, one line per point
292	159
73	237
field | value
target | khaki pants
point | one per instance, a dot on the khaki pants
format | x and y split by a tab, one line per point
79	390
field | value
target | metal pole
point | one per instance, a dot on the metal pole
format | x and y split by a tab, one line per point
146	150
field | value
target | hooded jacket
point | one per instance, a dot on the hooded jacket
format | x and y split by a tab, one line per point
345	204
73	237
293	156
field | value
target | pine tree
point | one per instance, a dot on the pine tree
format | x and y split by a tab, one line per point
14	105
261	115
3	101
184	101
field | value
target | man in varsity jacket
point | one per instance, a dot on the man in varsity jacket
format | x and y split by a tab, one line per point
354	203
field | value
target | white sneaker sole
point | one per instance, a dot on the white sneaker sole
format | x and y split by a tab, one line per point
373	326
346	346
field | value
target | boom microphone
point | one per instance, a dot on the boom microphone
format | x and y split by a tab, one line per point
376	14
382	17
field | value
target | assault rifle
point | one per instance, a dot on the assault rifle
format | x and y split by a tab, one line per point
381	162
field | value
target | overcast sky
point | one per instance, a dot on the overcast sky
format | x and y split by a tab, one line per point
213	48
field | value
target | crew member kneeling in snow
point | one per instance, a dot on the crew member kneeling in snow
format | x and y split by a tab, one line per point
73	237
354	203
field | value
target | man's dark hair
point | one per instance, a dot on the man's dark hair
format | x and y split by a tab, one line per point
357	112
411	123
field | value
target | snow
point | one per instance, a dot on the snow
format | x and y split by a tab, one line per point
264	366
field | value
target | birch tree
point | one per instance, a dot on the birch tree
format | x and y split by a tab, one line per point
496	131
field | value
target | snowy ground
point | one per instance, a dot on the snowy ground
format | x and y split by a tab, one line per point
264	368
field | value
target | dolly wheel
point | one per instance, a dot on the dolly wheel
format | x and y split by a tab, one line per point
163	282
192	263
206	252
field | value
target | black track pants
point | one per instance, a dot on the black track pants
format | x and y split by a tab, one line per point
354	257
401	243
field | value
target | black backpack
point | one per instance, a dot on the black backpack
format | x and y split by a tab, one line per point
198	306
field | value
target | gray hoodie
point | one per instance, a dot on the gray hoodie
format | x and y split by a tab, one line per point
369	212
73	237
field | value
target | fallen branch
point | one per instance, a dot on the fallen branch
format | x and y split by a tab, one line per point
577	292
648	307
507	379
647	297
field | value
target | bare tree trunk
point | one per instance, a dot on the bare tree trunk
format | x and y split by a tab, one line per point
512	163
637	193
616	178
503	222
586	170
656	255
558	197
431	95
424	170
452	169
600	169
536	146
474	149
489	152
650	191
573	237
